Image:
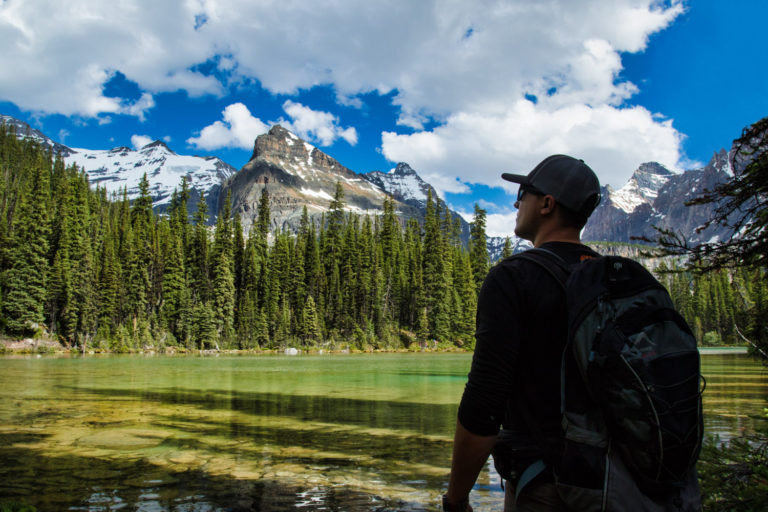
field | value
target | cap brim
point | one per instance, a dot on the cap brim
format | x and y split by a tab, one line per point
515	178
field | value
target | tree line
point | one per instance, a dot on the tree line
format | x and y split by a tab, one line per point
105	272
108	273
722	306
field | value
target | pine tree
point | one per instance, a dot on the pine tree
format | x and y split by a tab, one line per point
25	281
478	247
198	255
222	264
507	251
263	218
466	291
175	292
109	283
310	328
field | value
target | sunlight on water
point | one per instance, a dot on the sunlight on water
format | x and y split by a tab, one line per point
336	433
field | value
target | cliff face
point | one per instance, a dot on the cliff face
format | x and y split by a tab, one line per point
656	197
297	175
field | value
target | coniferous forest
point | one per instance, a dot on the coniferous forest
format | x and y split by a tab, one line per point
103	273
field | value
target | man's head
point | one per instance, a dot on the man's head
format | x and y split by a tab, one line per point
560	179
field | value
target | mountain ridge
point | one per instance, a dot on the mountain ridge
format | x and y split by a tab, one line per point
298	174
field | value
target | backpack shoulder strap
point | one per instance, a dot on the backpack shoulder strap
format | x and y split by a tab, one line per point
553	264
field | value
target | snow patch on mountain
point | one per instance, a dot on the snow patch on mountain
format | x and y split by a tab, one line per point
122	168
24	131
402	183
642	188
317	193
496	244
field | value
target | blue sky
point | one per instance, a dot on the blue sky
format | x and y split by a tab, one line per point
462	91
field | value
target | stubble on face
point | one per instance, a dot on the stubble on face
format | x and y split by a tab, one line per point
522	222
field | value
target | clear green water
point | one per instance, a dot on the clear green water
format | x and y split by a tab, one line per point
272	433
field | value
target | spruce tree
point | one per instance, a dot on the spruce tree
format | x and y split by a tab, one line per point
222	266
506	251
478	248
25	280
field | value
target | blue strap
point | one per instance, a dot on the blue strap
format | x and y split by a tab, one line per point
528	475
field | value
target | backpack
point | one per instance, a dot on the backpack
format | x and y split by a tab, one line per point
630	442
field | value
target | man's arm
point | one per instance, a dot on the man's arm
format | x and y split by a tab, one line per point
470	452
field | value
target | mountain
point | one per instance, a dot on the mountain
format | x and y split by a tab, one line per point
403	184
297	175
495	245
24	131
655	196
122	168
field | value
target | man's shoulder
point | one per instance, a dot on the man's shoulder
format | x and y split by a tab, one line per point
570	251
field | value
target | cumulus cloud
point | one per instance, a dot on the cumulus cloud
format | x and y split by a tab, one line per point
316	126
478	147
461	68
501	223
62	58
237	130
239	127
139	141
139	107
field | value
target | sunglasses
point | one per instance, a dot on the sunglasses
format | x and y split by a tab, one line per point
526	189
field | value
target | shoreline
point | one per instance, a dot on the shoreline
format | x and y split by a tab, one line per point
31	346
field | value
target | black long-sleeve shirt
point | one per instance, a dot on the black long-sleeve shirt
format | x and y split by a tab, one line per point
521	330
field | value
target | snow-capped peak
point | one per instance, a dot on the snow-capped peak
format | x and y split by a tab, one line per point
157	145
401	182
24	131
642	188
120	167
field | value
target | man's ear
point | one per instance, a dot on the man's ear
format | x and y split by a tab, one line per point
547	205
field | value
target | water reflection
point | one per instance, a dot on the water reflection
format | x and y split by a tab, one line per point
351	433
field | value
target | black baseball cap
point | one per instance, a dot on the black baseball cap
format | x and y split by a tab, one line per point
569	180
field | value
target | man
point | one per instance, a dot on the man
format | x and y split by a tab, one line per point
521	331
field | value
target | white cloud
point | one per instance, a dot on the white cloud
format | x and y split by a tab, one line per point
238	130
140	107
463	67
478	147
496	224
501	224
139	141
63	53
443	58
316	126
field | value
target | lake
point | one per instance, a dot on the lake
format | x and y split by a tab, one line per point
272	433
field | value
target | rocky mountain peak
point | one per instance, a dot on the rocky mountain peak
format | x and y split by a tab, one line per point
403	169
720	162
24	131
642	188
652	169
287	151
402	183
158	144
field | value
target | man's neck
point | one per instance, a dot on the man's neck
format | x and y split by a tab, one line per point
556	235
